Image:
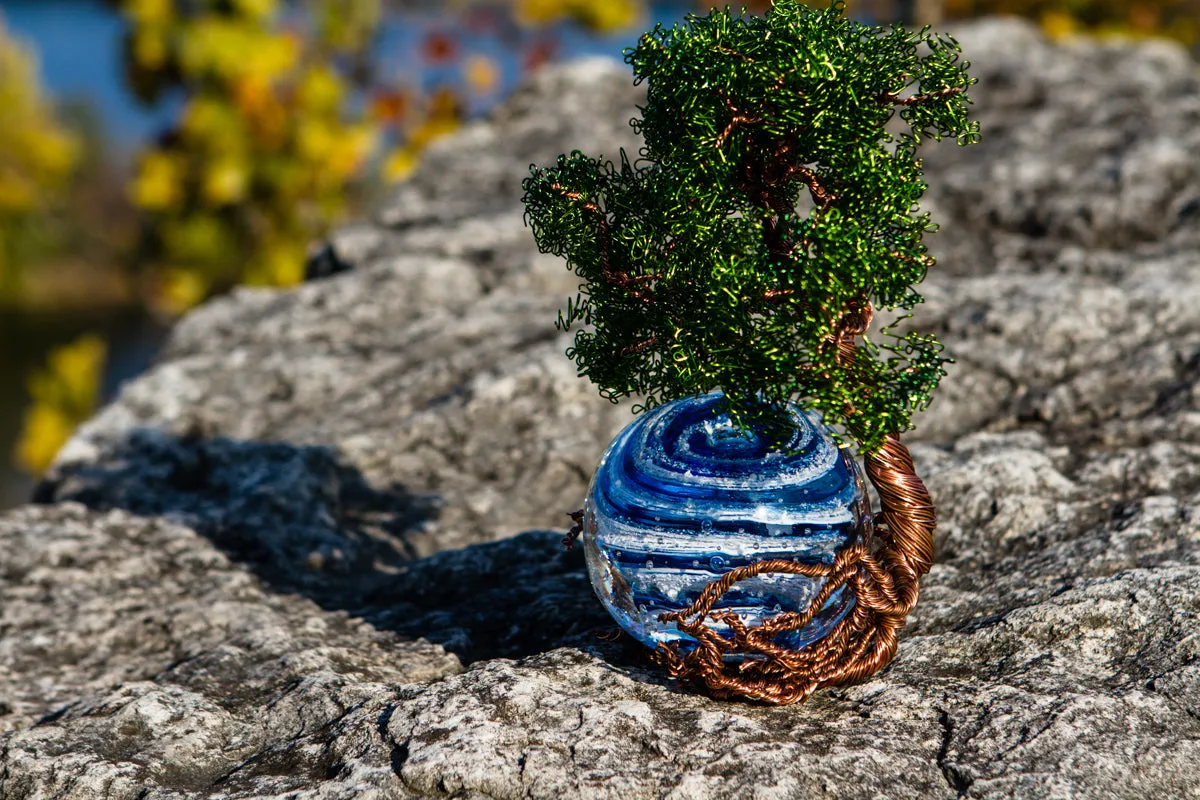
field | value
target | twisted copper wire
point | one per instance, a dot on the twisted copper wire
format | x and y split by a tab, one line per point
885	584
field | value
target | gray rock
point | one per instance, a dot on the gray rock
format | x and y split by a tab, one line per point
311	554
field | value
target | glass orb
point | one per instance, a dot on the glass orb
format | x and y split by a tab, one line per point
681	497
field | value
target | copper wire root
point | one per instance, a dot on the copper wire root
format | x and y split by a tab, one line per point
576	530
885	588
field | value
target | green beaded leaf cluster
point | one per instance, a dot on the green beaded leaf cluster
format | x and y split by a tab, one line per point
776	196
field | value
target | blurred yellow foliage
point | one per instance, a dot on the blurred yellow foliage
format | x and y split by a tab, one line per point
482	75
150	12
268	149
255	9
37	156
600	15
346	26
440	116
277	129
181	288
1057	24
159	182
1178	19
63	394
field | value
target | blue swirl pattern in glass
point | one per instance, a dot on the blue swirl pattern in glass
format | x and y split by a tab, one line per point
682	497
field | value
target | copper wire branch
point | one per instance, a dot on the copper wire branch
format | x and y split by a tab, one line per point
619	279
892	98
782	166
729	51
576	529
739	118
925	261
821	195
639	347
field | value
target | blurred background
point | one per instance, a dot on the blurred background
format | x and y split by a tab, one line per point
155	153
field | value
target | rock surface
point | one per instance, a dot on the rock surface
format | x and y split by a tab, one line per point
289	561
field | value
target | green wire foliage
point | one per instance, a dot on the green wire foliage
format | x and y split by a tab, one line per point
772	202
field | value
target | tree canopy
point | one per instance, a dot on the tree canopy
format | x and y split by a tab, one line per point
773	206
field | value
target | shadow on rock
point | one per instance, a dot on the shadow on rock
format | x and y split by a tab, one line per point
306	523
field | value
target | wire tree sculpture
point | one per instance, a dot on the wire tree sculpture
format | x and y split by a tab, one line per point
773	209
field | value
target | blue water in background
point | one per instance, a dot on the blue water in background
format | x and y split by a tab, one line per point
79	45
